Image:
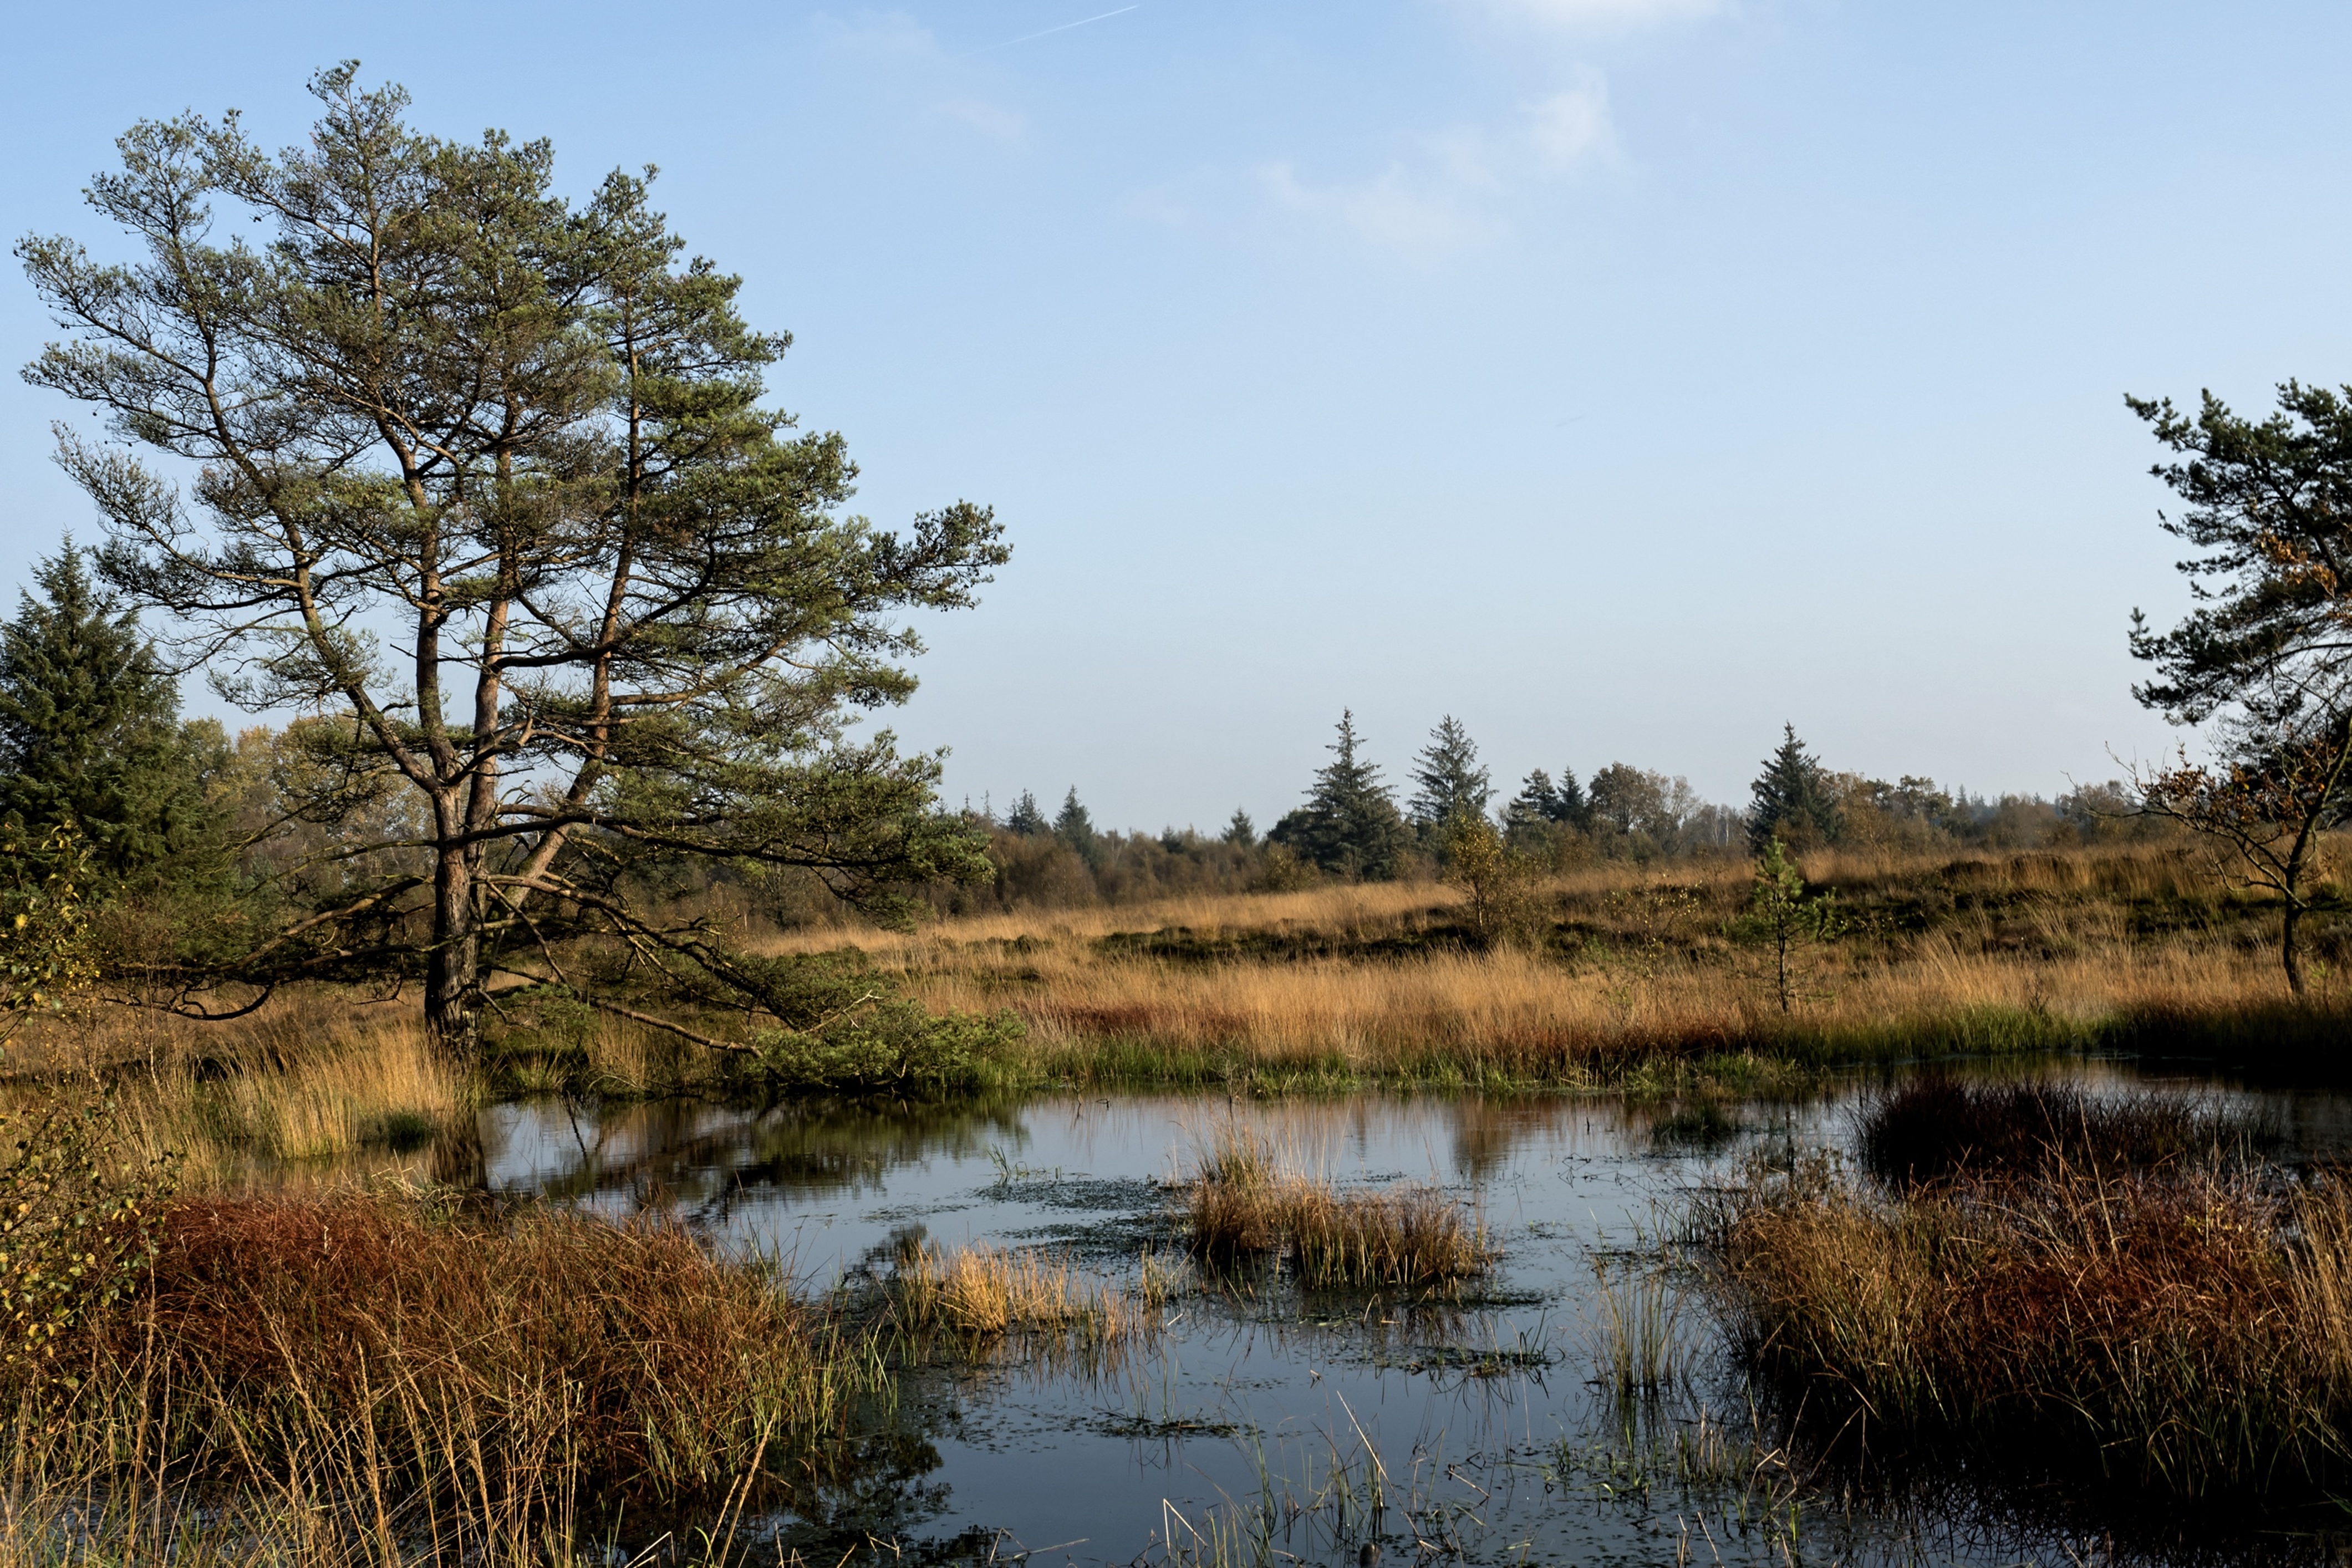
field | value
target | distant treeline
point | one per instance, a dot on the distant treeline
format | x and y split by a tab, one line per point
1351	826
208	833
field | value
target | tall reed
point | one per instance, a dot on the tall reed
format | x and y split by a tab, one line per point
2187	1328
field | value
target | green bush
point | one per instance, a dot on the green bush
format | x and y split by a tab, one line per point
890	1046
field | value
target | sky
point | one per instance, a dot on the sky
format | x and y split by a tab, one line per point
1625	378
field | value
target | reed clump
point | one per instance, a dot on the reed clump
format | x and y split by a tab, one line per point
2187	1328
380	1376
1936	1126
1242	1204
988	1291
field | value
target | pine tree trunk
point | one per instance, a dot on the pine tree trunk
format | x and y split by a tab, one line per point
451	995
2290	945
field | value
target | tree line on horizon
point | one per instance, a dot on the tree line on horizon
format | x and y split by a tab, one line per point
1353	825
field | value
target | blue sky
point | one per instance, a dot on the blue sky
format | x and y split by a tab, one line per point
1623	376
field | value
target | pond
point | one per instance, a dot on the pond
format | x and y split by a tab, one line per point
1263	1424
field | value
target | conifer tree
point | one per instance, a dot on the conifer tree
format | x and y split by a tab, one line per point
1241	830
1792	798
1026	817
1349	825
89	724
1569	804
1538	801
1074	828
1451	782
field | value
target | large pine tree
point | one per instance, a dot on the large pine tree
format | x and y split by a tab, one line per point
89	732
1791	799
1349	825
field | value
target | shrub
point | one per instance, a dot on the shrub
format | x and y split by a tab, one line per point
892	1047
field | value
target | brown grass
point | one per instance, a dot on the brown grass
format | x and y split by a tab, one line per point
1964	954
1242	1206
2183	1329
364	1376
992	1291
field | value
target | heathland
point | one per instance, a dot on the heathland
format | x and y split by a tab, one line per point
610	827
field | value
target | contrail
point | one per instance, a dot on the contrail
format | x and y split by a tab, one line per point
1065	28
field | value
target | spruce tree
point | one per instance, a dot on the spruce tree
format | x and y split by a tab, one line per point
1536	806
1451	782
1074	828
1026	817
1569	804
1241	830
1791	799
89	724
1349	825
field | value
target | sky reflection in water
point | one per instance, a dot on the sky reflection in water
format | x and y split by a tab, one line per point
1259	1427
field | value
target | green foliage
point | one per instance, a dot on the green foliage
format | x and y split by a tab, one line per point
1449	782
1497	878
1539	801
2270	506
1792	799
1785	916
888	1047
1349	825
89	725
1074	828
1241	832
528	443
77	1224
46	956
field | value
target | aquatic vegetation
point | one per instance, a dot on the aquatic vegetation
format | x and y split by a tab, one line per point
1934	1126
1242	1204
988	1291
2186	1329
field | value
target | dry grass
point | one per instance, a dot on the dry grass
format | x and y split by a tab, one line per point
1964	955
311	1084
1242	1206
364	1377
2182	1329
992	1291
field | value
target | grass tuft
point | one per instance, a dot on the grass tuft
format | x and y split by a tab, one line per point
989	1291
2187	1329
1242	1206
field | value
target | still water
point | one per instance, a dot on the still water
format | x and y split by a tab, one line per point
1276	1426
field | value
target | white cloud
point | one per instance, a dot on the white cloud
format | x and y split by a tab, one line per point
1461	192
1006	125
1571	129
1416	217
880	33
1597	14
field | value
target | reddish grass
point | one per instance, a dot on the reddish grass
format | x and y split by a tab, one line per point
542	1352
2187	1328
